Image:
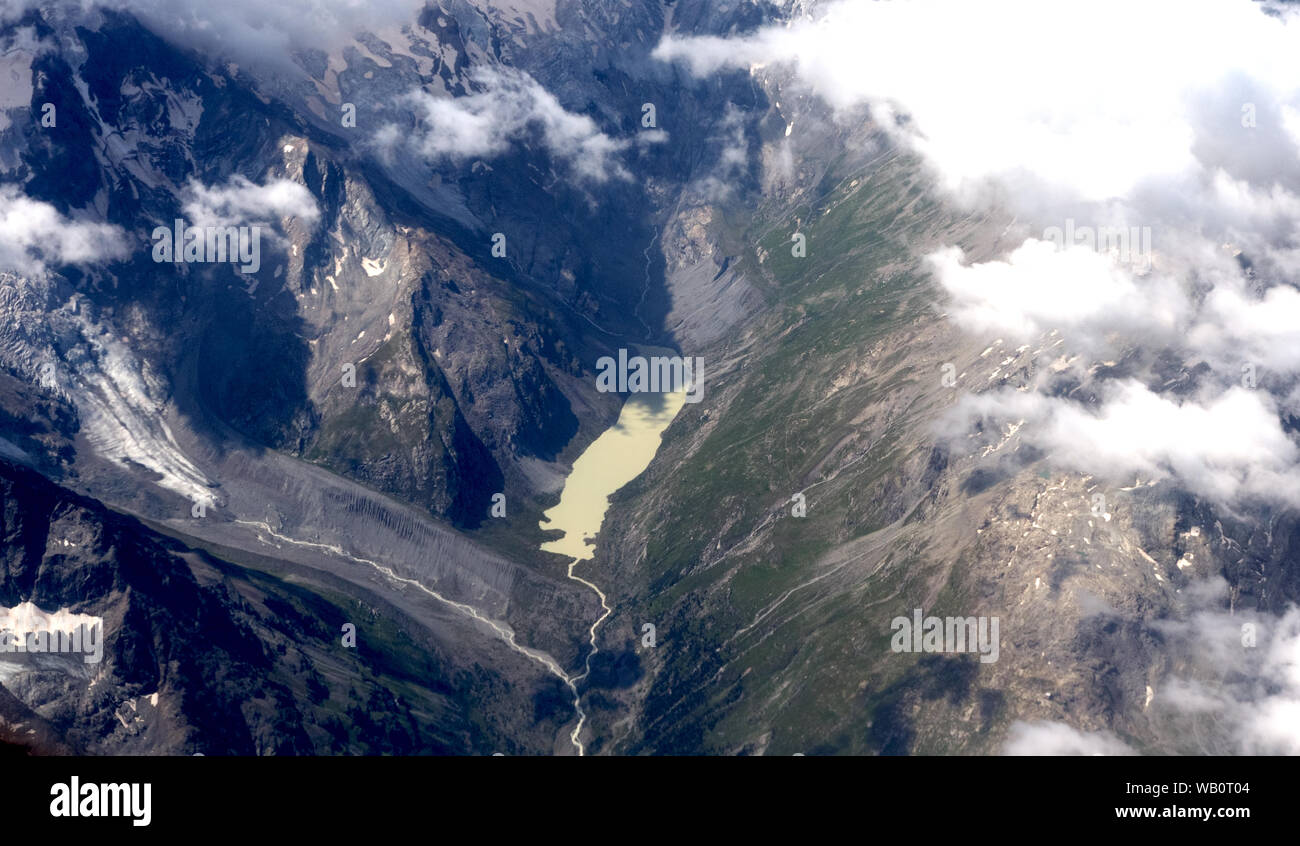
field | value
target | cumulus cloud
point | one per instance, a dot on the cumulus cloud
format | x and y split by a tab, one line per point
1234	688
1228	448
1263	330
1224	441
1040	287
509	107
1180	118
1238	677
241	201
35	236
1046	738
1093	101
1269	721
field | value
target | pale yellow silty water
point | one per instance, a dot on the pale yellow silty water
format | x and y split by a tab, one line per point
615	458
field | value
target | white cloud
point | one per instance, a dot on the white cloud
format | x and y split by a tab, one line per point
1179	116
509	106
1047	738
1227	448
1264	330
34	235
1039	287
1245	688
240	201
1092	100
1235	689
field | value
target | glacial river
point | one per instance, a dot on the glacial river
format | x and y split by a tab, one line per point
615	458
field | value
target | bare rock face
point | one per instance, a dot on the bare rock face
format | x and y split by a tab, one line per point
343	407
199	655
